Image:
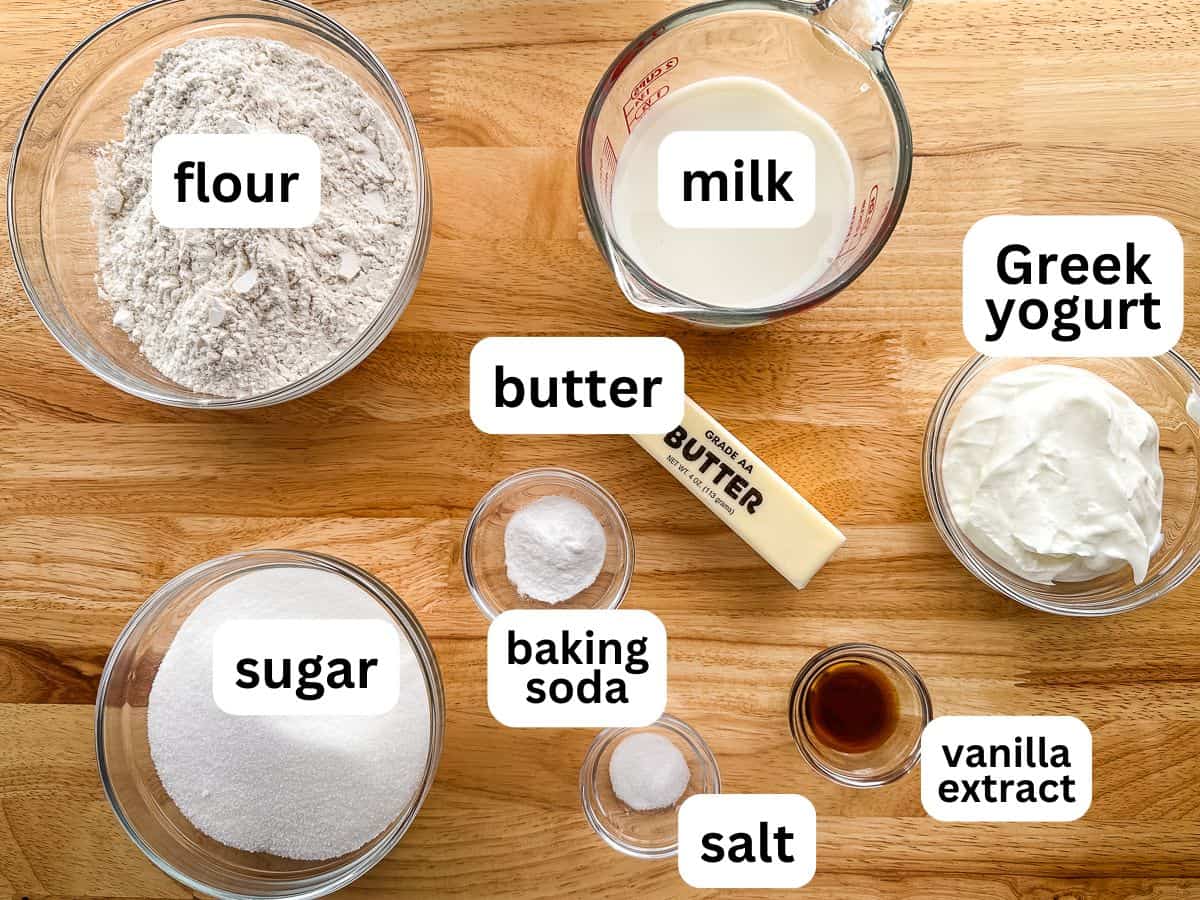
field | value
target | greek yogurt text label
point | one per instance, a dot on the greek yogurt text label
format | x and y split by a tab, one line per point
573	668
236	181
1006	769
1073	286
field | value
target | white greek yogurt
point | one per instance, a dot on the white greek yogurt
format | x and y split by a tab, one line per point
1053	473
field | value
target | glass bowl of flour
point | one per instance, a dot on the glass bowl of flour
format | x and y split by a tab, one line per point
207	317
547	538
1076	481
262	805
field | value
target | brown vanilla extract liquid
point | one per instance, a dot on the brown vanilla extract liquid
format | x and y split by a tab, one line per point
852	707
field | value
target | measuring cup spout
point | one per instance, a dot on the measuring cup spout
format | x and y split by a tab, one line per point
864	24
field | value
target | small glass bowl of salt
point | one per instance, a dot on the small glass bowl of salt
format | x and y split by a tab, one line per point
547	538
633	781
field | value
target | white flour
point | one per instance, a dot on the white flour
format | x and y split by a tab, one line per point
553	549
236	312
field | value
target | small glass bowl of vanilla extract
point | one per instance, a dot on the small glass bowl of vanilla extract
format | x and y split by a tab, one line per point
857	713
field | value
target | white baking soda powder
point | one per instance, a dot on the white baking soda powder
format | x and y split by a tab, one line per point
648	772
554	548
301	787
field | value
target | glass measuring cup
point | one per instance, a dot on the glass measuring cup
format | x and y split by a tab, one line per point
828	55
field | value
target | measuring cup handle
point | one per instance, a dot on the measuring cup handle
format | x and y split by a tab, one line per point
864	24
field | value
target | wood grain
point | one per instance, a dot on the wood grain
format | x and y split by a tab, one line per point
1017	105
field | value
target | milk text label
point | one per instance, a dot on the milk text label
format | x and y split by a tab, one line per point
737	179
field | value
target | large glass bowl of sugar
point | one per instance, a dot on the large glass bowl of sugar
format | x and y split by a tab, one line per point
80	109
131	780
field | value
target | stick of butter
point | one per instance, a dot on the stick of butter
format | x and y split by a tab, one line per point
762	509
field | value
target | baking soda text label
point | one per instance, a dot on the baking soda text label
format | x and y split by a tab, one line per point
737	179
570	385
577	668
1006	769
236	181
1073	286
306	667
747	841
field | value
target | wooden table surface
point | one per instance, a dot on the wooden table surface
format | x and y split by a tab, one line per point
1016	105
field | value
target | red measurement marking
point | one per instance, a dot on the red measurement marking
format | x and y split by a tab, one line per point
635	110
644	94
860	222
652	76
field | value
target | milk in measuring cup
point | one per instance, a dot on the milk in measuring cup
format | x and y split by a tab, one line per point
746	268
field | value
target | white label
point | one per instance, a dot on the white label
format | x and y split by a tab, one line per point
1073	286
747	841
1006	769
576	385
262	180
306	667
573	668
737	179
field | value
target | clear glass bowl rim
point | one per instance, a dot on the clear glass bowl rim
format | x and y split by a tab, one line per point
588	772
971	559
306	889
822	661
371	336
607	242
532	475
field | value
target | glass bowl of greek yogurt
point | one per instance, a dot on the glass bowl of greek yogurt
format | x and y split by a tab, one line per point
547	538
229	317
1073	485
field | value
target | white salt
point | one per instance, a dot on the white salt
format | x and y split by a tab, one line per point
304	787
554	548
648	772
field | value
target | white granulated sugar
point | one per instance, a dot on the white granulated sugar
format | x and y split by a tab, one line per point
553	549
237	312
301	787
648	772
